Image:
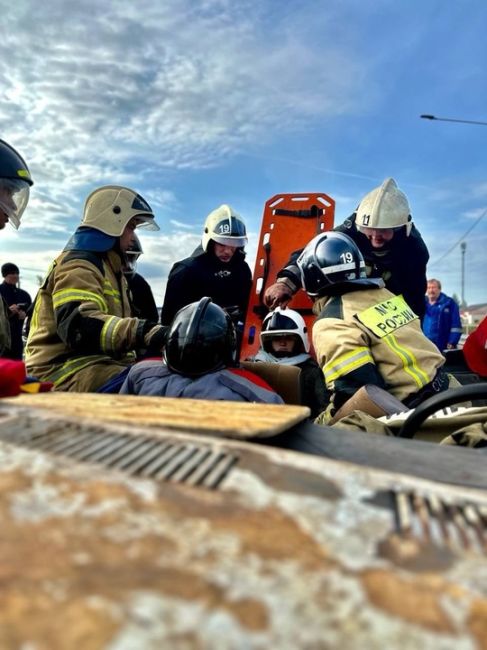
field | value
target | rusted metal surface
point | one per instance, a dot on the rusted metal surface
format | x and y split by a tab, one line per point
287	551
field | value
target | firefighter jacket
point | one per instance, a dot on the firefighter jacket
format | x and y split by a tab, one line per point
230	384
81	332
401	264
203	274
371	336
442	323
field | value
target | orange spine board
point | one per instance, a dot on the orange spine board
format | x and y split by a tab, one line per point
289	222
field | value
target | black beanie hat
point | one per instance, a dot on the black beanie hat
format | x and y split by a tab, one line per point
9	268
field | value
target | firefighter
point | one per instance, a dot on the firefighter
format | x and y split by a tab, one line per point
217	268
284	340
82	334
363	333
391	245
200	361
15	183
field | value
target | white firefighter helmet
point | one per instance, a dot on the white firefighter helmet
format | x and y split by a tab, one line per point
384	207
283	322
110	208
224	226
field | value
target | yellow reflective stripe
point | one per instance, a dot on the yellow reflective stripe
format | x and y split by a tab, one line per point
78	295
409	361
108	333
108	290
346	363
72	366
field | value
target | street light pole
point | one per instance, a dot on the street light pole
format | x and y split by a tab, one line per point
463	247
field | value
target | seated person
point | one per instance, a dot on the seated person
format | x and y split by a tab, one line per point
363	333
199	361
284	339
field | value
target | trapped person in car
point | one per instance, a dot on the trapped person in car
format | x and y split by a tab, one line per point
363	333
217	269
199	361
284	340
391	245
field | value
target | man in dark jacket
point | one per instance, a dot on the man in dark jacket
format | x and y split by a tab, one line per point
391	245
216	269
442	323
18	301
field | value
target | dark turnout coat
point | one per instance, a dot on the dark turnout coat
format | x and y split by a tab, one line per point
202	274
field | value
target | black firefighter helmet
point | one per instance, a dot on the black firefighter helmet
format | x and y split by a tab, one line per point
201	339
332	263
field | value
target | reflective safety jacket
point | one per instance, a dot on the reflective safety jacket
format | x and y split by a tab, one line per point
81	325
371	336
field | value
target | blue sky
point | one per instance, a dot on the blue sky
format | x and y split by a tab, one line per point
194	104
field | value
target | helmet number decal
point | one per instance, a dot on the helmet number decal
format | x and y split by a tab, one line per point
224	228
347	257
365	219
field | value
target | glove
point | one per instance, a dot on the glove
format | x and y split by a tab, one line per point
155	339
277	295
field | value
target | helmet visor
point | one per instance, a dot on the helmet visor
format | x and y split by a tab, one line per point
278	322
146	221
14	196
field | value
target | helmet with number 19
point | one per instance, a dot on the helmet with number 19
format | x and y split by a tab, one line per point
224	226
331	264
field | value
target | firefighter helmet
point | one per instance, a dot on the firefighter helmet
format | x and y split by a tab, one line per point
284	322
15	182
332	261
224	226
201	339
110	208
384	207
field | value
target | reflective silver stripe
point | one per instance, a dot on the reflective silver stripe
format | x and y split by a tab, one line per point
351	266
347	363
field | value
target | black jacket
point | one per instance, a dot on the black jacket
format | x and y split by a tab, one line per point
142	298
202	274
401	264
15	296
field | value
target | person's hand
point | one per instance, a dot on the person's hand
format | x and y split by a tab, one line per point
277	295
450	346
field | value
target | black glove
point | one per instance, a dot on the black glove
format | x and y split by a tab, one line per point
155	339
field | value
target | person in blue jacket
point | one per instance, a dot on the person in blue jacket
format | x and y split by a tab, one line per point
441	323
199	361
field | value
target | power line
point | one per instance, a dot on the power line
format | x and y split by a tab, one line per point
459	240
450	119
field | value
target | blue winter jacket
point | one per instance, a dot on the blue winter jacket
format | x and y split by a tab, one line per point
441	322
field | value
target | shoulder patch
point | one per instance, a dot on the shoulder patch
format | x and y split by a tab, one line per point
386	317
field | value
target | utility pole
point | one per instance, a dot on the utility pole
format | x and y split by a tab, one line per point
463	247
